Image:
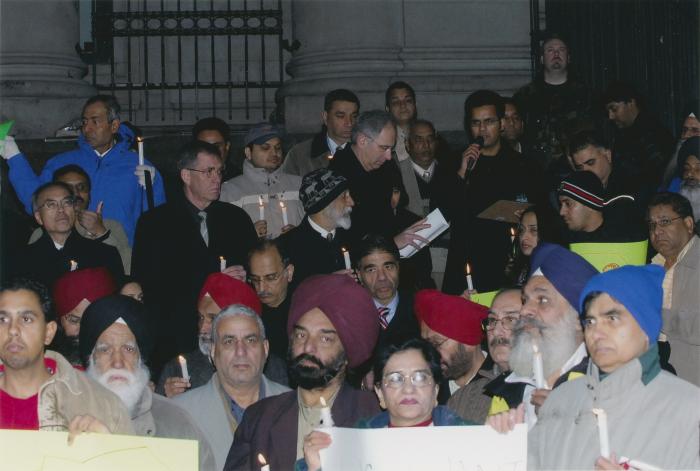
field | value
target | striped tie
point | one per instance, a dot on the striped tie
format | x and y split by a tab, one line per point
383	312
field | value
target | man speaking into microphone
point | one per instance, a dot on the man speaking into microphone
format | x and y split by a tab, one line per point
490	171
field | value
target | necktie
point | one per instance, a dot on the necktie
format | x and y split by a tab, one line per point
329	237
383	312
426	176
203	227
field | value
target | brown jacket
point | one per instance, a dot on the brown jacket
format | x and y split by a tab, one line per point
69	393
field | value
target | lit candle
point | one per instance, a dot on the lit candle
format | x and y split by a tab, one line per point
512	235
326	418
73	265
468	271
285	221
140	142
183	367
346	256
537	368
263	463
603	432
261	208
222	263
637	464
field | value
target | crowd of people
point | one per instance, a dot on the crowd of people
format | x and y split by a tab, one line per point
249	313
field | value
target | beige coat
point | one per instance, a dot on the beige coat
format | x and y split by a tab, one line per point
69	393
682	321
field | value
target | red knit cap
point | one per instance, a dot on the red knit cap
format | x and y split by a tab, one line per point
225	291
87	283
347	305
452	316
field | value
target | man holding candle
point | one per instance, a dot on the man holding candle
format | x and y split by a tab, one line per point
263	181
104	153
340	110
60	244
453	325
115	343
548	332
651	416
239	350
332	326
179	243
316	245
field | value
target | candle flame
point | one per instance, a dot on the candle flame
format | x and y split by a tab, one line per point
535	349
330	156
512	232
598	412
343	249
222	258
180	358
323	402
260	201
139	139
281	204
468	269
261	459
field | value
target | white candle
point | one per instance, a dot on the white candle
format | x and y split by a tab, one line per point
346	256
637	464
222	263
261	208
285	221
537	368
470	284
326	418
512	235
73	265
140	142
263	463
603	432
183	367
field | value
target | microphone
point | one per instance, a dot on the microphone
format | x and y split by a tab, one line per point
479	141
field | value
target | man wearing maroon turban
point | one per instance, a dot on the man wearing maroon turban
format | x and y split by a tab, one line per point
453	325
333	326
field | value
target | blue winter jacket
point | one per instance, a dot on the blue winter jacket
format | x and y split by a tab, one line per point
112	179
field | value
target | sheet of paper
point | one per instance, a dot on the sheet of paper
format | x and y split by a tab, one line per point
485	299
438	225
5	128
466	448
25	450
608	256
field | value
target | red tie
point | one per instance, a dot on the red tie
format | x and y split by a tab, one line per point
383	312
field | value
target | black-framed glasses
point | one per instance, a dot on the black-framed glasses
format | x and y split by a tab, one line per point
209	172
663	222
508	322
418	378
53	205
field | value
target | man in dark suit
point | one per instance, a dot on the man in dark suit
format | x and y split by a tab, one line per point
60	248
332	327
179	243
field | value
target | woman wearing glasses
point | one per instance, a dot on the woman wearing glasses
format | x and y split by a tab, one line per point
407	380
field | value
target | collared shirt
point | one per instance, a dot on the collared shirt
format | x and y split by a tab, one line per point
237	410
420	171
333	146
530	415
392	307
324	233
105	152
667	285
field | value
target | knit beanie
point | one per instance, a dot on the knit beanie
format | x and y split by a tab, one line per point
319	188
584	187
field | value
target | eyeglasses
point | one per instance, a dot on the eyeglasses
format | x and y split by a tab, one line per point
53	205
507	322
271	278
419	378
488	122
665	222
73	319
209	172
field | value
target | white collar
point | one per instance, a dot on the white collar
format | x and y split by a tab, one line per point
333	146
420	170
324	233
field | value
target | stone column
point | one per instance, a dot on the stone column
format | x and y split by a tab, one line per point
445	49
41	75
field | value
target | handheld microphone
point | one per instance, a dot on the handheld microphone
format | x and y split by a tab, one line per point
479	141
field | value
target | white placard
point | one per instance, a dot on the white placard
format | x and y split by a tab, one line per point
460	448
438	225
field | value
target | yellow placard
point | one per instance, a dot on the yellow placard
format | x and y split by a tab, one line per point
27	450
609	256
485	299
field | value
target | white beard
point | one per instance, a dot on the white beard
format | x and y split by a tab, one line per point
129	392
556	342
693	195
341	219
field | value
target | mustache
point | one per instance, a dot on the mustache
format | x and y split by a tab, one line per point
307	357
500	341
526	323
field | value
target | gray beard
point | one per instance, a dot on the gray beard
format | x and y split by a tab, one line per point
556	342
205	346
692	192
340	219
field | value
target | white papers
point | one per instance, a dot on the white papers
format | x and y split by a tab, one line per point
438	225
460	448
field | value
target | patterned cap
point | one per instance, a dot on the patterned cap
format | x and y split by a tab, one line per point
319	188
